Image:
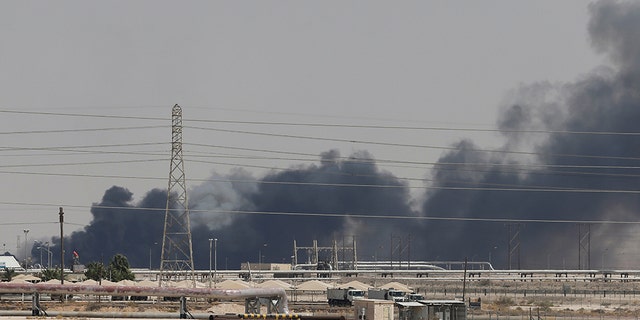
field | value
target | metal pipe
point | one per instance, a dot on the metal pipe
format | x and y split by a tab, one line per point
99	314
167	315
207	293
7	287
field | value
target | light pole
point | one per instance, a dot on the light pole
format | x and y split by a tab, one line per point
39	247
260	256
61	215
210	245
26	260
49	254
45	247
490	251
375	254
151	248
215	260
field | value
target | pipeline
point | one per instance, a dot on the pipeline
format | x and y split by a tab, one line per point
276	317
167	315
206	293
267	316
98	314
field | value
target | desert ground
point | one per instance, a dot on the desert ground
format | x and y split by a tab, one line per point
517	299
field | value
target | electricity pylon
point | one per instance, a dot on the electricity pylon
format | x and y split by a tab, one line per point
177	251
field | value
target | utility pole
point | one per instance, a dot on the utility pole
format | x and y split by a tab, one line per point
26	256
210	246
215	261
61	213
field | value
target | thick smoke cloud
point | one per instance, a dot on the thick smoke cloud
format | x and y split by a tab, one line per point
118	226
320	192
614	30
538	153
608	100
137	233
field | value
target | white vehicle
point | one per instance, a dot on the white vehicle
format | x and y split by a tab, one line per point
414	297
343	297
387	294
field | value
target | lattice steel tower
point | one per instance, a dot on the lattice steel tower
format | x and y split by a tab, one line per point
177	251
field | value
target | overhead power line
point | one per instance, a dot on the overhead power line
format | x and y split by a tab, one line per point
80	130
42	113
410	145
322	125
347	185
441	217
381	127
528	168
342	140
344	174
468	167
80	163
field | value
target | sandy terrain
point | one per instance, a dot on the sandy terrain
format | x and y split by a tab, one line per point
548	299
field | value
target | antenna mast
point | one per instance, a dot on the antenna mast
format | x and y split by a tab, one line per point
177	250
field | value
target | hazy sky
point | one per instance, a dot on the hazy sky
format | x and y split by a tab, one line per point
387	63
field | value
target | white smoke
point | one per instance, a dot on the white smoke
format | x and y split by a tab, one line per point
211	201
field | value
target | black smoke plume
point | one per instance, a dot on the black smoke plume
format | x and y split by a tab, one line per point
550	148
606	101
136	229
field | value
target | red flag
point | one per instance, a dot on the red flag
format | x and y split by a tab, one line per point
75	254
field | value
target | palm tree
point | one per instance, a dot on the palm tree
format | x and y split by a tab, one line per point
119	269
9	274
48	274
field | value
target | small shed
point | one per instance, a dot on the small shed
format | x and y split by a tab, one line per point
432	309
412	310
373	309
446	309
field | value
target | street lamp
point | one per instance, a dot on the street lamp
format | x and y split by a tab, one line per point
490	251
210	245
260	256
150	248
45	247
26	260
49	255
39	247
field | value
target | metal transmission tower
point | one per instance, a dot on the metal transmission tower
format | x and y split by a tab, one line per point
584	246
177	250
514	245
